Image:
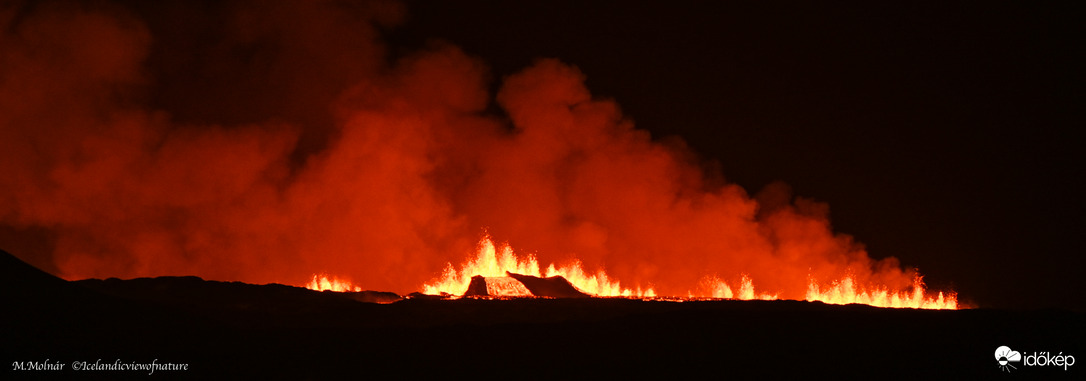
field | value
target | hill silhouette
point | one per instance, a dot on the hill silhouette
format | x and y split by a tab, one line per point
237	330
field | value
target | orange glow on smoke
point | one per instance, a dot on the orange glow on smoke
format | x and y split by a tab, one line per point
331	153
322	282
490	262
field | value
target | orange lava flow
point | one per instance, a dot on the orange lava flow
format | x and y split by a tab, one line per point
719	289
846	291
490	262
321	282
843	291
495	261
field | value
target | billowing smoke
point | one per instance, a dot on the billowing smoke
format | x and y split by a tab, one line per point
265	143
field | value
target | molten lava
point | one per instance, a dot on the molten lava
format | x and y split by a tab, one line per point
845	291
489	262
718	289
493	264
321	282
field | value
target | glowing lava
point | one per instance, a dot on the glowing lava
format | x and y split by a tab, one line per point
321	282
489	262
846	291
493	262
842	291
720	290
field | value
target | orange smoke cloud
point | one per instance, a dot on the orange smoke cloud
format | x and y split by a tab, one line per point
392	175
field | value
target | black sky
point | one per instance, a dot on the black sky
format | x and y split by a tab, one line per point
938	133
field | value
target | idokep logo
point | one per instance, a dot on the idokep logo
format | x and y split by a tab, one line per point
1005	356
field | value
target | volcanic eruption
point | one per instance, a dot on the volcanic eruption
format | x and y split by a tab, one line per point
489	266
294	144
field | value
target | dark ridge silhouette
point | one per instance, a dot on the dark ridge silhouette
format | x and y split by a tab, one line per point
212	298
25	286
233	330
420	296
17	275
496	287
381	297
477	287
552	287
194	290
514	285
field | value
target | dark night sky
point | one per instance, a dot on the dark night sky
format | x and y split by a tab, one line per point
940	134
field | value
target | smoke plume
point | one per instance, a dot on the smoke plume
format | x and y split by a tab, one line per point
266	142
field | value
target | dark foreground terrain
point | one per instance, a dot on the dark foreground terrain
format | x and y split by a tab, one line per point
235	330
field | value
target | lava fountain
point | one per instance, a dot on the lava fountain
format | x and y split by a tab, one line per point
490	261
494	261
324	282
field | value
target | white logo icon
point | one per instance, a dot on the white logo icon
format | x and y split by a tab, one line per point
1005	356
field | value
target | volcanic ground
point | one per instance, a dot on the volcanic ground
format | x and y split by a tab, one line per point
230	330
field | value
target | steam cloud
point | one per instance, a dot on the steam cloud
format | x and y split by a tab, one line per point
269	142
